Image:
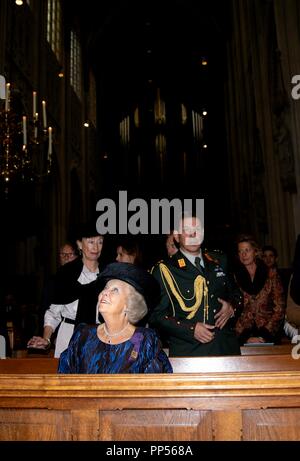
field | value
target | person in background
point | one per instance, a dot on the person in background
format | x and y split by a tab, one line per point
292	321
8	310
67	253
69	305
4	333
171	245
262	317
118	345
292	318
129	251
295	280
270	258
199	297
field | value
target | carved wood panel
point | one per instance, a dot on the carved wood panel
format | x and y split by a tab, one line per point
271	424
85	425
34	425
156	425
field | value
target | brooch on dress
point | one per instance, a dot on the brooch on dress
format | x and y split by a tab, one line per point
133	355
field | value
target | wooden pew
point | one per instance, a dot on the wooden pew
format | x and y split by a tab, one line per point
29	366
207	398
245	350
229	364
267	350
262	350
233	364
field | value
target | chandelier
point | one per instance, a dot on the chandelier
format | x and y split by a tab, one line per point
25	142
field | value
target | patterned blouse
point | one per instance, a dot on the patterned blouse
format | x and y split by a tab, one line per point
263	312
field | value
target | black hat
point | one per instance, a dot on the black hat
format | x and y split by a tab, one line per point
86	230
137	277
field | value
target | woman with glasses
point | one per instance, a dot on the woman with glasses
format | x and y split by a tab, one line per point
67	253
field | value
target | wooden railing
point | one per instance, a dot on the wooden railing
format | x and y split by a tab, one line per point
230	364
267	350
245	350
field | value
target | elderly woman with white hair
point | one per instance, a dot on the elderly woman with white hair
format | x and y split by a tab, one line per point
118	345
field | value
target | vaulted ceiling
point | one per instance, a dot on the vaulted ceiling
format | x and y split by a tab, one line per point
130	42
133	44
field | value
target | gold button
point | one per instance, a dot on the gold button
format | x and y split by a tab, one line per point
178	323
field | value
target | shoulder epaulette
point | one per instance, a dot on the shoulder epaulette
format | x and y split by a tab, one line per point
215	250
156	265
211	258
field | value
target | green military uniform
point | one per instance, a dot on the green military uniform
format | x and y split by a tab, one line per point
188	297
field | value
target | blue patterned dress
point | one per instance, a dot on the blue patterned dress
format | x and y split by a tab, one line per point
142	353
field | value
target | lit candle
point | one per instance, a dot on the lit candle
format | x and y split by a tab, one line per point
34	103
24	131
158	99
7	97
44	115
50	143
36	116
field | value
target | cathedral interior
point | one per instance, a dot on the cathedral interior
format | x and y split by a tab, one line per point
182	98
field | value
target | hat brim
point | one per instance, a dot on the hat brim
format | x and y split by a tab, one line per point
141	280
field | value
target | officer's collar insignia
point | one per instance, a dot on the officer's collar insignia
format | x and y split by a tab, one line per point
181	262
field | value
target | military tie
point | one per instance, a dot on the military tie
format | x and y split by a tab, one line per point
199	266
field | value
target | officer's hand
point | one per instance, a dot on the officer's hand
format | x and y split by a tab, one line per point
224	314
202	332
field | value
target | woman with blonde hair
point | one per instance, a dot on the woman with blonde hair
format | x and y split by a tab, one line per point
263	296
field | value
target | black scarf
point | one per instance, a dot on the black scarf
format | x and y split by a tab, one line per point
244	281
66	285
67	289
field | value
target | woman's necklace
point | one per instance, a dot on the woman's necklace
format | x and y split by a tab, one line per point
114	335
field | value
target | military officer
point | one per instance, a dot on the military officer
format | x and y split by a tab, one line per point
199	298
